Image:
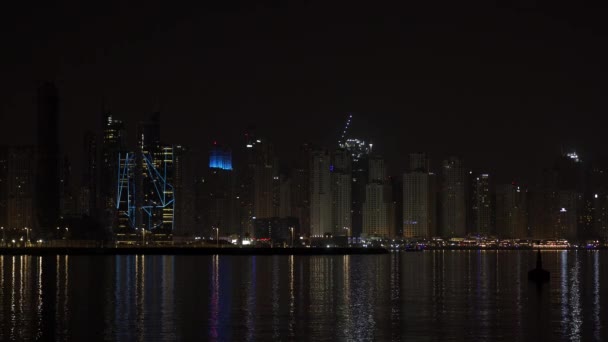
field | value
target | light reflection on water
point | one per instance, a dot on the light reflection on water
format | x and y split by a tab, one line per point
439	295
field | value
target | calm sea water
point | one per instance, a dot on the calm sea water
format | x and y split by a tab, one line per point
432	296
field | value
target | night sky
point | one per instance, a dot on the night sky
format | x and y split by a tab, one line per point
503	84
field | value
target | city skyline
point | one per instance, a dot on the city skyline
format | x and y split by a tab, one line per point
519	81
122	191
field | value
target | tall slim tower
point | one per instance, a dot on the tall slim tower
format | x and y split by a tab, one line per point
320	194
482	205
511	211
113	146
20	190
3	186
47	167
300	191
419	199
341	183
453	211
378	200
88	197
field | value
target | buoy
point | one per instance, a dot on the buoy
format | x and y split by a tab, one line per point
538	274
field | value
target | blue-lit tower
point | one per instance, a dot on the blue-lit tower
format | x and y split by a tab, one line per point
220	158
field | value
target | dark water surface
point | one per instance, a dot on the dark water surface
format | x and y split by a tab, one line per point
433	296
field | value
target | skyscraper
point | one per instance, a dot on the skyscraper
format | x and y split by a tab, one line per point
482	205
20	188
154	196
511	211
47	153
378	199
88	191
300	192
185	198
419	205
266	181
220	157
3	186
341	190
113	148
453	206
359	151
419	199
320	194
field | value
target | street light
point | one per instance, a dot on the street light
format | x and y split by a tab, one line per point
27	236
217	237
291	228
347	235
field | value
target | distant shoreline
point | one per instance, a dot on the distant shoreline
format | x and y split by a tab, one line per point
41	251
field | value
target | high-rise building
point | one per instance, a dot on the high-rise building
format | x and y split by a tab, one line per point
378	200
482	205
20	188
285	205
88	197
511	211
68	203
320	194
419	199
341	192
3	186
220	209
453	204
600	215
376	210
359	151
113	149
300	192
266	181
220	158
47	153
377	170
185	194
419	205
146	194
419	161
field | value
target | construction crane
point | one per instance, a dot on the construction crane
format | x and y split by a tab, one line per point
348	120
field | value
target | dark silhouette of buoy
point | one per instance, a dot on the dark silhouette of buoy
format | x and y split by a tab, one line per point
538	274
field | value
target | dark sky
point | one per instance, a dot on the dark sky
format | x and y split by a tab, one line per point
503	84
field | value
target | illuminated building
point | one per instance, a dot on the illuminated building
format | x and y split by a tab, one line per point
277	230
300	189
220	202
482	205
145	192
67	200
3	186
266	181
511	211
185	190
359	151
453	205
220	158
378	199
419	199
47	154
112	149
320	194
20	166
341	193
88	191
418	205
